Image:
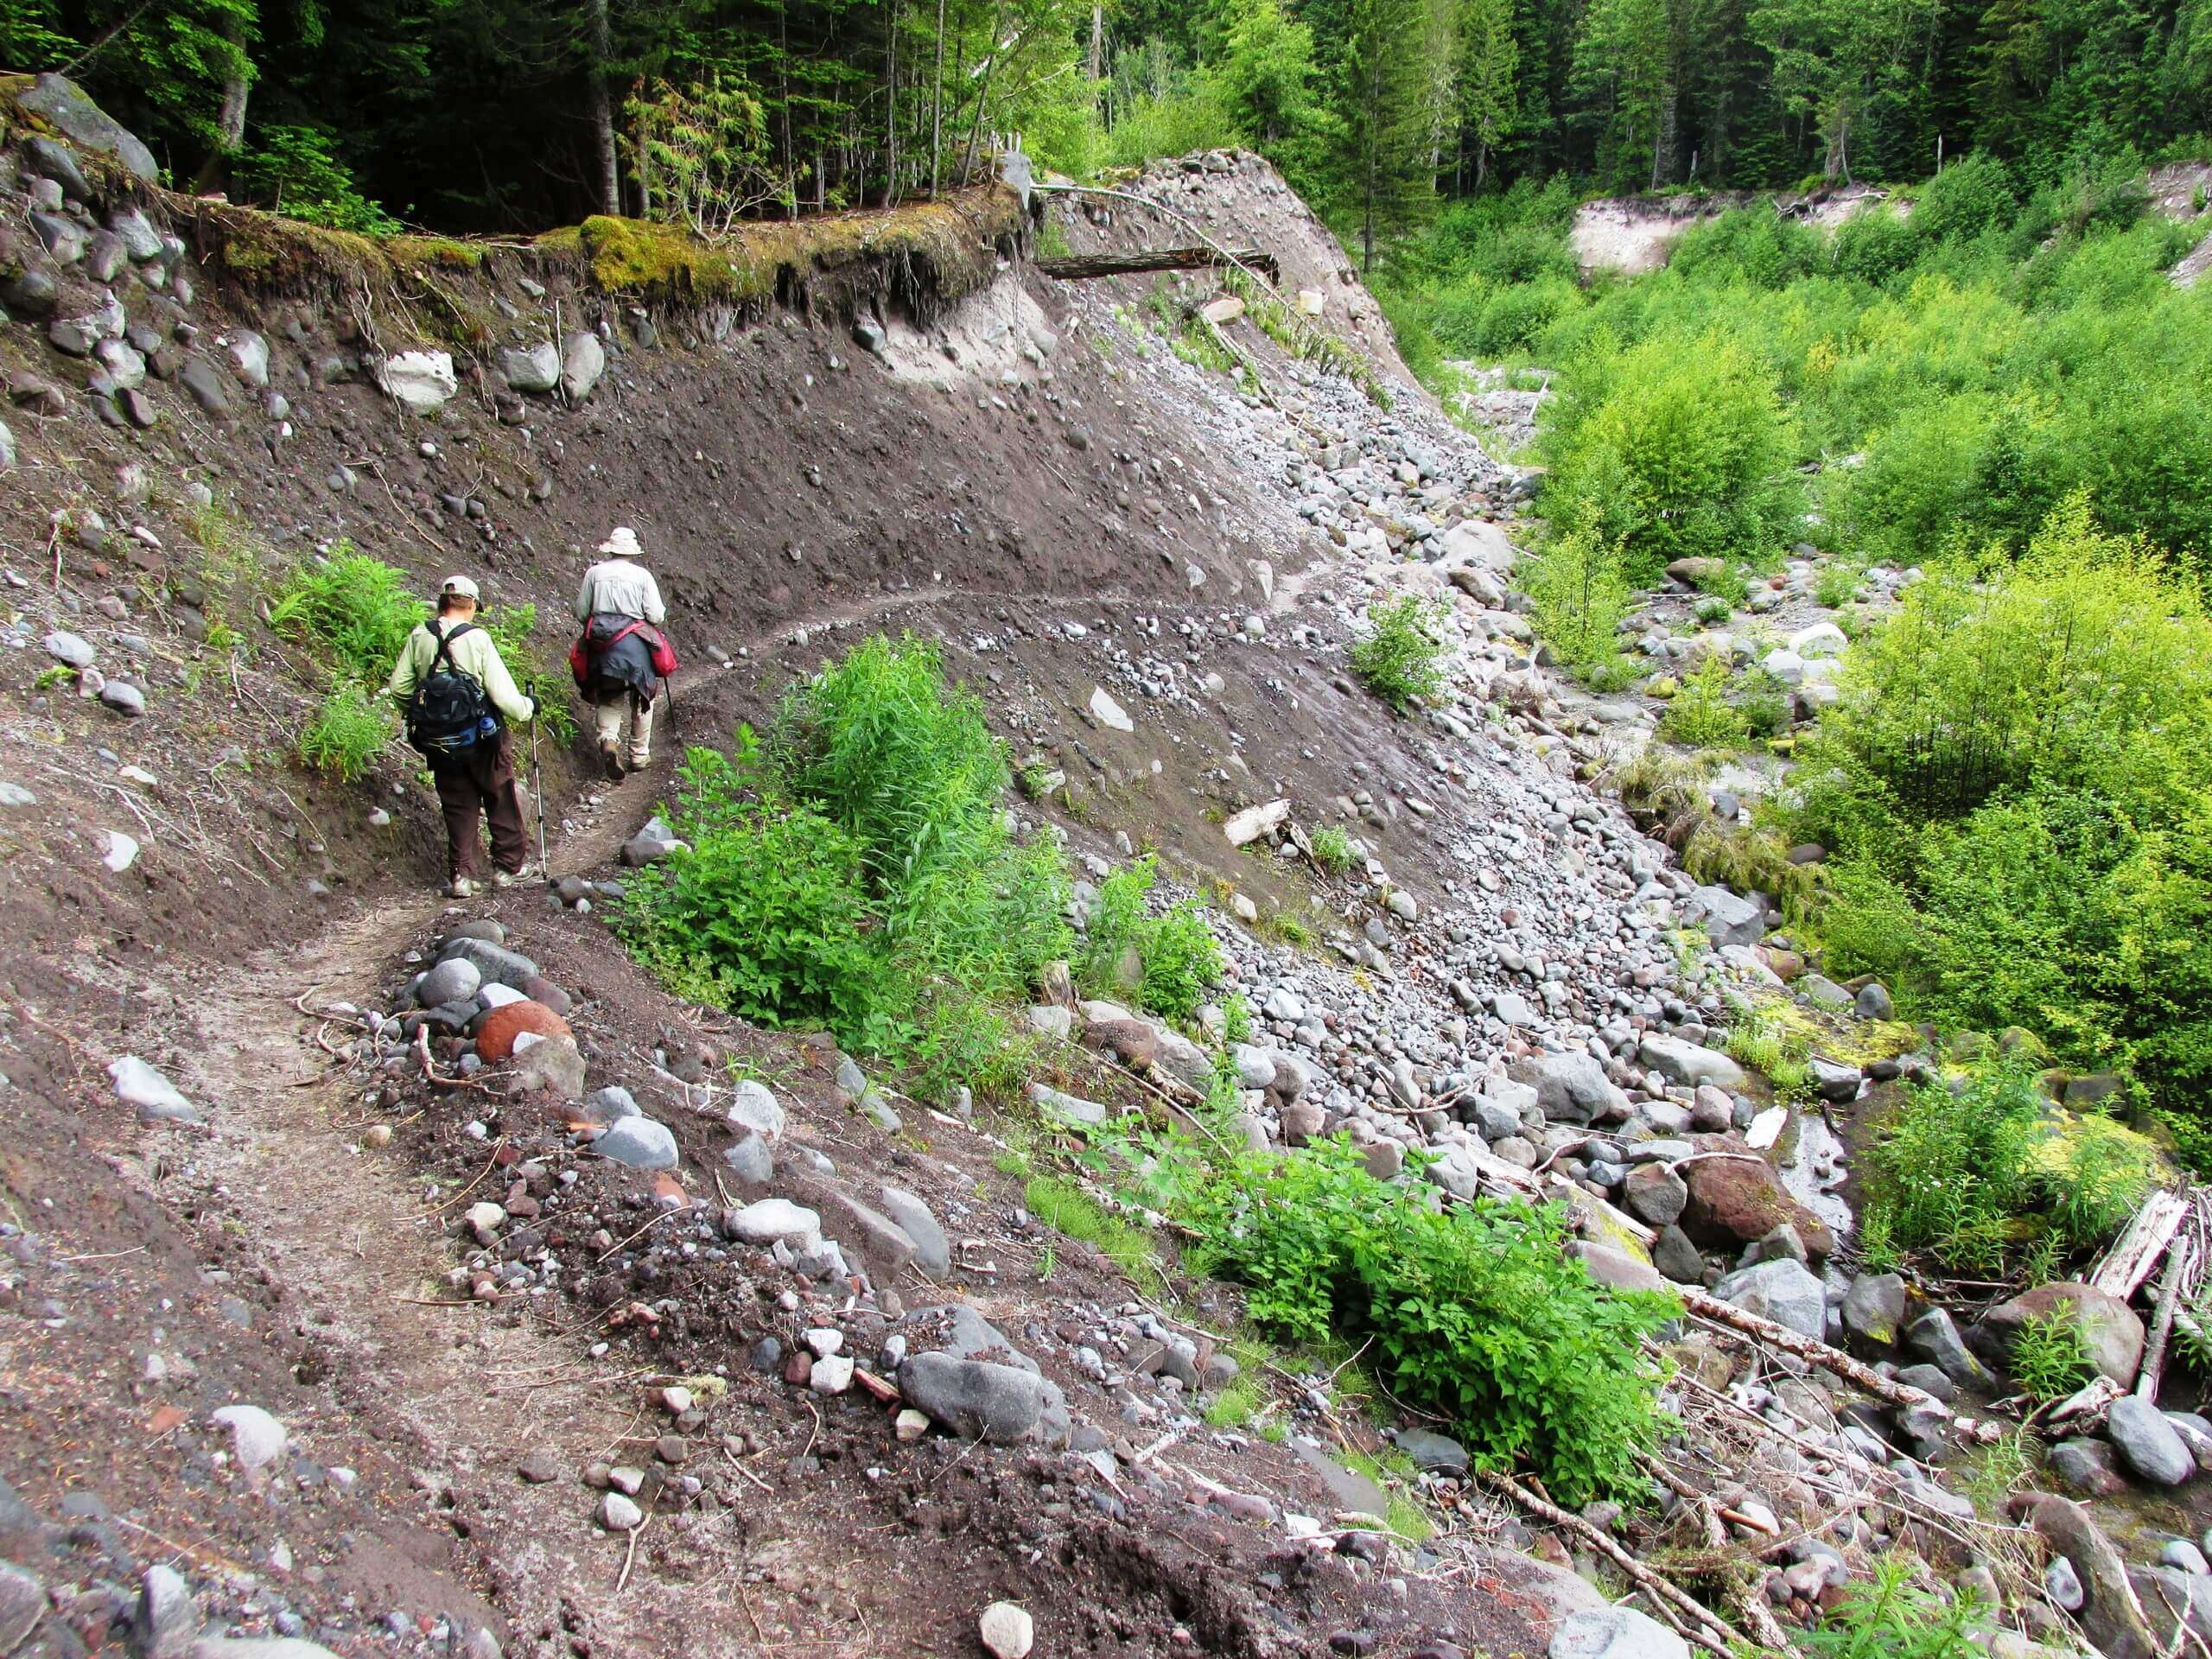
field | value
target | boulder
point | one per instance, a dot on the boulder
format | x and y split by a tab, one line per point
1931	1334
1654	1194
1689	1063
61	103
583	360
1784	1291
980	1401
1616	1269
2110	1617
1616	1633
495	963
765	1221
1739	1200
2087	1468
932	1250
1677	1258
421	383
2148	1444
1873	1309
1572	1087
639	1142
532	368
1728	918
2110	1329
496	1032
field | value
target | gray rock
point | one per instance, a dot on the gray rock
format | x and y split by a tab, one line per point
642	850
1729	919
49	159
932	1250
1930	1380
532	368
1873	1308
1656	1195
1432	1454
1064	1108
2181	1553
1784	1291
1873	1002
1572	1087
22	1604
456	980
610	1105
61	239
167	1616
1932	1335
495	963
750	1159
1616	1269
249	355
767	1220
62	105
266	1646
1834	1080
980	1401
1689	1063
140	240
205	384
1616	1633
71	649
555	1067
641	1142
1824	992
123	697
2147	1443
583	360
1677	1258
2063	1585
31	292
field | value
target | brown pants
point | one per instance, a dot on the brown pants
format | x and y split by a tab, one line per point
483	782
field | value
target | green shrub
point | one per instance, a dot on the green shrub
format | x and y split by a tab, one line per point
1179	960
1400	658
2017	787
1332	849
1951	1170
1578	591
1473	1311
1700	714
1886	1616
1236	1018
353	611
2097	1175
346	732
857	874
1673	448
2049	1359
1970	197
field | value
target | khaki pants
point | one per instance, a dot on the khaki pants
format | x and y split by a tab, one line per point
609	710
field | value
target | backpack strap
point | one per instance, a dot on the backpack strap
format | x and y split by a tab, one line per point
444	652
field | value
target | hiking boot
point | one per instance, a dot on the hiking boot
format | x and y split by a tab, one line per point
639	759
506	879
462	888
610	759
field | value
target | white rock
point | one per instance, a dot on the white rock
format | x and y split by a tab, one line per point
1821	640
419	381
1255	821
1007	1631
583	360
766	1220
618	1513
485	1217
1616	1633
122	851
832	1375
757	1109
1108	713
256	1438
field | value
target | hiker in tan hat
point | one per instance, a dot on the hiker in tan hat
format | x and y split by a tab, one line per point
455	690
622	652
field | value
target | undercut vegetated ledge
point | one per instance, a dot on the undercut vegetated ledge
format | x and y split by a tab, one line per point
921	259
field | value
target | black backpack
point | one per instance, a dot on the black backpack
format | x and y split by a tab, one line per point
449	714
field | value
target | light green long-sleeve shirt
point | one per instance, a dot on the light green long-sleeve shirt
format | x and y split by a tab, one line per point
473	653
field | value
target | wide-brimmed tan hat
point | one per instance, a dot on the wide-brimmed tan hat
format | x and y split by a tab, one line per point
622	544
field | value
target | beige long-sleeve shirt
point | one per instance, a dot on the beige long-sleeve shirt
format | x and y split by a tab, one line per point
621	588
473	653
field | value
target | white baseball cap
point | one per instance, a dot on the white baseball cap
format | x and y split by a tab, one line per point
622	544
459	586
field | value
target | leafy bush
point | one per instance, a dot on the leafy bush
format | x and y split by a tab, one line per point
1332	849
1701	714
1885	1615
856	872
1473	1311
1179	960
1400	658
1970	197
1949	1171
1579	590
2097	1175
345	734
2049	1359
355	612
1673	448
2017	787
295	171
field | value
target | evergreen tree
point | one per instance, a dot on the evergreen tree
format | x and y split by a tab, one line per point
1390	76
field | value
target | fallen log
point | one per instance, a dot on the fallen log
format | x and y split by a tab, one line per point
1695	1620
1079	267
2129	1263
2162	1323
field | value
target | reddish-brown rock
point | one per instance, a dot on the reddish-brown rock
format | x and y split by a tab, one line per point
1735	1197
495	1037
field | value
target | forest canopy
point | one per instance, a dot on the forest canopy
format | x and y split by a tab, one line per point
482	115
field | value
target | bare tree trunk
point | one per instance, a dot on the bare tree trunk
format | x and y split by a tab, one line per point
937	104
602	105
1097	40
890	120
784	98
983	92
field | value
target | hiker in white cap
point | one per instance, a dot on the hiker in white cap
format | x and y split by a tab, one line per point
459	699
623	652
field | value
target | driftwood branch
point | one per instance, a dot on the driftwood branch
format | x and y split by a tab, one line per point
1791	1342
2130	1259
2162	1322
1698	1622
1078	267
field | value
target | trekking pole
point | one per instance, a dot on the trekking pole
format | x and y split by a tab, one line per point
538	792
668	690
